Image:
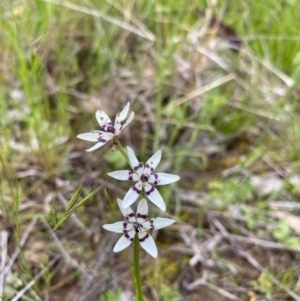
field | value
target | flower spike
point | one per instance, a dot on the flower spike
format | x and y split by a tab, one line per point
146	179
137	224
110	130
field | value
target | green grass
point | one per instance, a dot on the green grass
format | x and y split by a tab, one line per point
60	63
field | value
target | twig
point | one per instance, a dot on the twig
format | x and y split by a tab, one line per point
284	205
88	288
192	125
202	282
258	112
96	13
21	244
222	292
201	252
267	64
68	258
130	17
4	238
33	281
264	243
199	91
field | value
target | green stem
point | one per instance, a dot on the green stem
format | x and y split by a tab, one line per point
138	280
122	150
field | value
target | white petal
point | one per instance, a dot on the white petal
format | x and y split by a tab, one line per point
96	146
158	223
155	197
122	116
149	225
119	124
96	136
148	243
135	164
163	178
124	175
100	137
132	195
103	120
127	212
129	120
93	136
142	211
152	163
124	241
116	227
105	136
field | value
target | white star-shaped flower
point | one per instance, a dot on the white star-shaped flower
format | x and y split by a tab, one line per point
110	130
145	177
137	224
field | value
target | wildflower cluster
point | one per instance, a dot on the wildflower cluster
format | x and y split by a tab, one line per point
146	181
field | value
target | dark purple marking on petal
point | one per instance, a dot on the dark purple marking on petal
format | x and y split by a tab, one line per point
156	179
139	215
138	166
130	177
150	191
125	228
128	237
144	238
136	190
151	221
100	139
129	215
120	123
147	165
152	169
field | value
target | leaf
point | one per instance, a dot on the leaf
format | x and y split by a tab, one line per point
36	64
71	203
74	197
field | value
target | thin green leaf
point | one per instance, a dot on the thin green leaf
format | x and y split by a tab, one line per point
74	198
70	210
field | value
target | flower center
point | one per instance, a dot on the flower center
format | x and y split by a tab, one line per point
138	227
111	129
144	178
